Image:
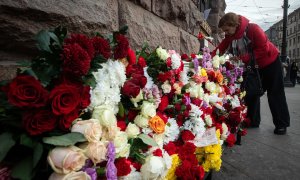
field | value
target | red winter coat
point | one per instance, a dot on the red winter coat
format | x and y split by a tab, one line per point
265	52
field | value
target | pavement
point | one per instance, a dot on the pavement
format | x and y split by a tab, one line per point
264	155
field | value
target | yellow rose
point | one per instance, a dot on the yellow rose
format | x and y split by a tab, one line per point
157	124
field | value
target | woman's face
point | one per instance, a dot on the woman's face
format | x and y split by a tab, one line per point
228	30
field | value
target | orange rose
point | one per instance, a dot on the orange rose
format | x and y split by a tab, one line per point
219	77
157	124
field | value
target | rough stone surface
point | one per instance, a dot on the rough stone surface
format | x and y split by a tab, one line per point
145	27
21	19
188	43
146	4
8	70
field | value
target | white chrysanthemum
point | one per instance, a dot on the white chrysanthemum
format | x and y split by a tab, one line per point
162	53
153	167
195	90
195	124
109	79
176	61
235	102
171	131
184	77
210	86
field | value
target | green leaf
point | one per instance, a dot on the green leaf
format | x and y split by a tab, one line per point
121	112
37	153
27	141
147	140
6	143
123	30
65	140
43	40
23	170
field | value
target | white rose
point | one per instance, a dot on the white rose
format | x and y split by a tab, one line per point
96	151
64	160
132	130
206	98
225	132
216	62
208	120
159	139
72	175
148	109
120	141
141	121
153	167
240	79
91	129
210	86
109	133
162	53
222	60
124	151
137	99
105	115
166	87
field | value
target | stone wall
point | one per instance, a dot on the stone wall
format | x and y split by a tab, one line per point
173	24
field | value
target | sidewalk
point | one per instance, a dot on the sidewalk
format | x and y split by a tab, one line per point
263	155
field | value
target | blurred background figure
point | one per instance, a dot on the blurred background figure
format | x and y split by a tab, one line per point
294	70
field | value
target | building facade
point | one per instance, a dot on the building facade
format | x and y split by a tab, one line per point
293	35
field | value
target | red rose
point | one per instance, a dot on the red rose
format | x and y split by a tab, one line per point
66	121
187	135
163	103
132	114
76	60
38	121
157	152
142	62
177	107
234	118
197	101
121	125
64	99
83	41
139	80
123	167
101	47
134	69
200	36
171	148
121	50
193	56
85	97
230	140
130	89
27	92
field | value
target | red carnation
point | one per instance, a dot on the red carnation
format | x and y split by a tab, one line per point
76	60
101	47
187	135
142	62
134	69
64	99
139	80
27	92
38	121
197	101
157	152
163	103
123	167
230	140
83	41
171	148
169	62
184	57
121	50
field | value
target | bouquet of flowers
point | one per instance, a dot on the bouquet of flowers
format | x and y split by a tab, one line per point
93	108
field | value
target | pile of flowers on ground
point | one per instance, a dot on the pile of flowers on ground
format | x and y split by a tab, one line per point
93	108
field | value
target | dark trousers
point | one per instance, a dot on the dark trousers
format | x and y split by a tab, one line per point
272	81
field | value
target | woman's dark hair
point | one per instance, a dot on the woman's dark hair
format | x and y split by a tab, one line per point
229	19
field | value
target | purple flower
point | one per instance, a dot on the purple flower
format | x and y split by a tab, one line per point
196	65
92	173
111	170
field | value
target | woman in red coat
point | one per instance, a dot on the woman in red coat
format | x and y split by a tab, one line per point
241	35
